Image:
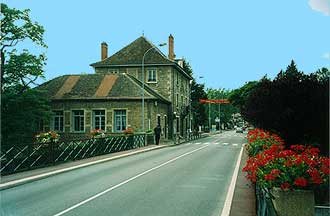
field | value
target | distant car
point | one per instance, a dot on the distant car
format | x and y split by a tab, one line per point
239	130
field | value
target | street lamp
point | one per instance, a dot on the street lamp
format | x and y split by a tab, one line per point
190	85
144	55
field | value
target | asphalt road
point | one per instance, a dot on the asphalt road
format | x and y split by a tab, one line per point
188	179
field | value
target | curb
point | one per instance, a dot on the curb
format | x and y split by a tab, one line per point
22	181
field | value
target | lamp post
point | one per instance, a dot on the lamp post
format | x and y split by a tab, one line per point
190	85
144	55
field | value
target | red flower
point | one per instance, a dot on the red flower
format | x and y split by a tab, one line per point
269	177
314	151
298	161
286	153
315	176
285	186
275	172
298	147
288	163
300	182
325	170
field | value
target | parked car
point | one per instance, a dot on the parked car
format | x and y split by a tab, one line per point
239	130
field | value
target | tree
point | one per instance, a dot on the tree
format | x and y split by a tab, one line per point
197	92
21	105
239	96
226	110
294	104
22	68
198	109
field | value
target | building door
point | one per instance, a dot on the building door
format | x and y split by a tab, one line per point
158	120
165	126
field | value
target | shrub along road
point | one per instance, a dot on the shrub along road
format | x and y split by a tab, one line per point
188	179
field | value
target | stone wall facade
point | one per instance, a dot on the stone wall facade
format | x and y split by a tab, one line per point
133	109
172	84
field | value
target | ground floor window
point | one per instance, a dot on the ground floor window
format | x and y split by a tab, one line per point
58	123
120	120
78	120
99	119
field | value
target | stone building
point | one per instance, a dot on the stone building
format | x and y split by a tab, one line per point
111	99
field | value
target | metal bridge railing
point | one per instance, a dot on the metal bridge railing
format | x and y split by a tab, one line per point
264	202
25	157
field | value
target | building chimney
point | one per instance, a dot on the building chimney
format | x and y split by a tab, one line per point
171	54
104	50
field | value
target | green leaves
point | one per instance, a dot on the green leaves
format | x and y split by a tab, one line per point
17	26
23	69
294	104
22	108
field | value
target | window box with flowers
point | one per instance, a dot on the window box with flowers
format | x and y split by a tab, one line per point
47	137
97	133
289	174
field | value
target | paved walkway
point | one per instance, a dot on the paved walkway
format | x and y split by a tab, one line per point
244	200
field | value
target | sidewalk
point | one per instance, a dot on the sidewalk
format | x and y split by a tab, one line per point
244	200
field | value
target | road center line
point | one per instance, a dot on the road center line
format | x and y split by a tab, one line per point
127	181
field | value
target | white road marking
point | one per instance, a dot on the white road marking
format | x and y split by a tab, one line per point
198	143
230	192
225	143
235	144
127	181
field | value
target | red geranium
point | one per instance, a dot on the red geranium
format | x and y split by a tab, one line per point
273	166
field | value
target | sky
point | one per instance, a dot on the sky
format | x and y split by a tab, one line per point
227	43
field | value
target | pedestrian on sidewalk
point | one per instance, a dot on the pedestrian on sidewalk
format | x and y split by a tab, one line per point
157	131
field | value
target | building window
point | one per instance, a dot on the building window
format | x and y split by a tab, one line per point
99	119
113	71
78	121
120	120
58	123
177	100
152	75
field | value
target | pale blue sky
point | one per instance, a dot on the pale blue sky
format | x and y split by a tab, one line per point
226	42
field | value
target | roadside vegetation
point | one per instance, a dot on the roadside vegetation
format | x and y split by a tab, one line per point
294	105
22	106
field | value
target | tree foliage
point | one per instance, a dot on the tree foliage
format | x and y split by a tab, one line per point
226	110
199	117
239	96
294	104
22	107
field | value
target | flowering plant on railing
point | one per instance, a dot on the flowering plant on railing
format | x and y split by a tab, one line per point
97	133
46	137
299	167
129	130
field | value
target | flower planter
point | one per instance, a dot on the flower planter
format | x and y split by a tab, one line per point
293	202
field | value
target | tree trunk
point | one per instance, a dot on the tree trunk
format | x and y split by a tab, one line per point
2	70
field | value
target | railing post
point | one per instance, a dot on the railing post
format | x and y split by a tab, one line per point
52	143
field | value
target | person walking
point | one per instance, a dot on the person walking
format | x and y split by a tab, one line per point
157	131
